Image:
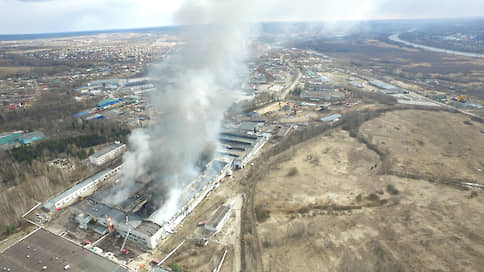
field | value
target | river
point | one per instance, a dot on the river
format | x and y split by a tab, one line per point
395	37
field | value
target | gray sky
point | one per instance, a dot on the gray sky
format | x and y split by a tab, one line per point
40	16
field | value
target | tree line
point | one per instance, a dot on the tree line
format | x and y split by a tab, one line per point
72	145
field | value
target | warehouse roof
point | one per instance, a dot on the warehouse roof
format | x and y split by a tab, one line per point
108	102
50	204
382	85
31	135
332	117
149	228
9	138
43	248
100	211
106	150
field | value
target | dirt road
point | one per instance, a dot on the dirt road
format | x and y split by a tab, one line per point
292	86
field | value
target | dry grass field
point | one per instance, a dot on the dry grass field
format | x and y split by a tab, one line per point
329	204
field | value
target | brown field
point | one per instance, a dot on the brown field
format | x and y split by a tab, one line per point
334	203
437	145
11	70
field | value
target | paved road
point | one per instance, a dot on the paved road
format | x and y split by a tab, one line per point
395	37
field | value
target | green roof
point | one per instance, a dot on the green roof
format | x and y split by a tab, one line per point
105	101
9	139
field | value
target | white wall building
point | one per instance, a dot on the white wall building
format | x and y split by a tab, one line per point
82	189
107	154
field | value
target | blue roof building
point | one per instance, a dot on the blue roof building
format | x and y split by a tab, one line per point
9	138
108	102
31	137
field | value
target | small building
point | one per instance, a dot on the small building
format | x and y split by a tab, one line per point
9	138
218	219
324	79
331	118
83	220
107	154
109	102
31	137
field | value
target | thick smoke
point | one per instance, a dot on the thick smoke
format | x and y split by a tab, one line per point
196	87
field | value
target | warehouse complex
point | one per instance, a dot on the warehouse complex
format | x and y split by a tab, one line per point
143	228
136	218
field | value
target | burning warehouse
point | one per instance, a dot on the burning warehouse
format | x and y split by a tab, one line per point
137	216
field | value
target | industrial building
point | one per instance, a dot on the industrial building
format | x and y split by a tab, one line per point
217	221
382	85
133	219
104	82
331	118
45	251
31	137
240	146
109	102
107	154
82	189
136	217
197	190
128	225
9	140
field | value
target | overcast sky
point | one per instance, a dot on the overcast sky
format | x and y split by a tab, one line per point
41	16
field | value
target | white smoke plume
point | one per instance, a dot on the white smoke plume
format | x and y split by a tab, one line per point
204	76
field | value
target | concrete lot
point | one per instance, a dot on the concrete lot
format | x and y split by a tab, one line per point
43	248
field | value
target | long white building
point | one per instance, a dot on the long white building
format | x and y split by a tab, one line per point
83	189
107	154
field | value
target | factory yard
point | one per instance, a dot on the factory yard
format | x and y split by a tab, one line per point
334	204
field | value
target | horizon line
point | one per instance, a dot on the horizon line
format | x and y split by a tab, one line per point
99	31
